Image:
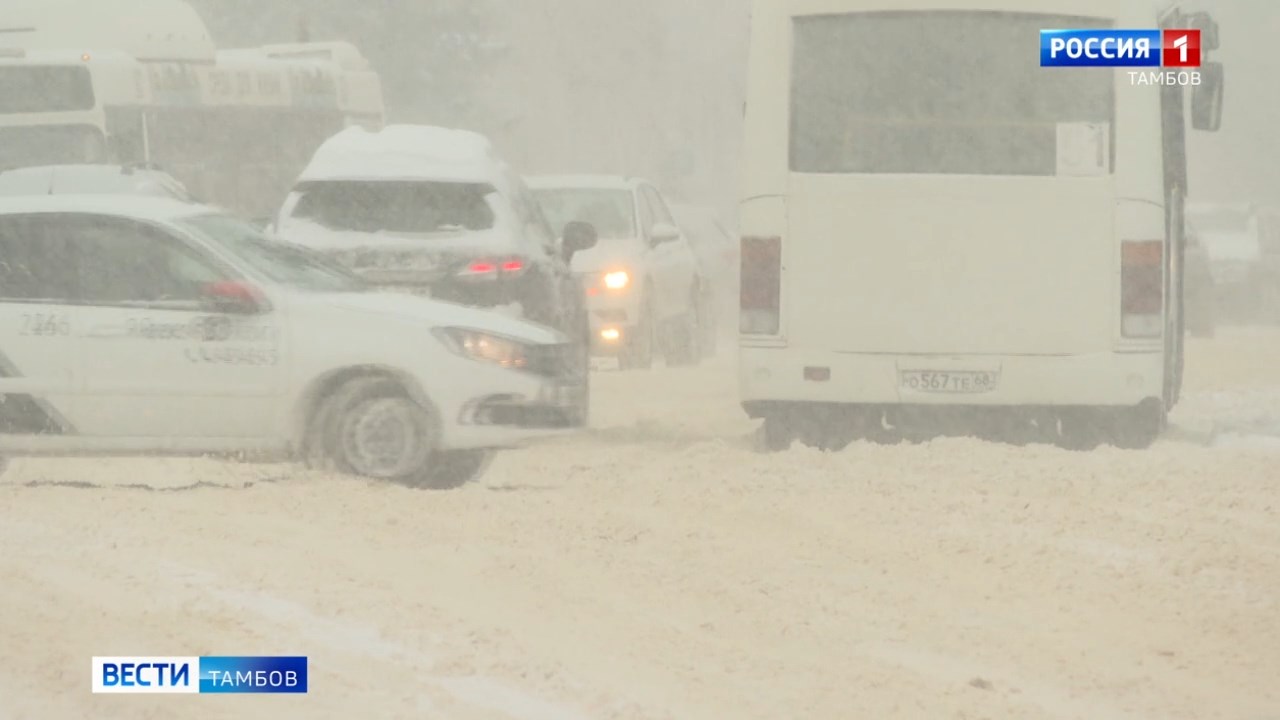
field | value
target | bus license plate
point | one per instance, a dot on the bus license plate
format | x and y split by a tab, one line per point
949	381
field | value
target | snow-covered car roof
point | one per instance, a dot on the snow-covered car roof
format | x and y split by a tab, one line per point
140	207
582	182
90	180
406	152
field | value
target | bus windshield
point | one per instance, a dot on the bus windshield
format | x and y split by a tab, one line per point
29	145
935	92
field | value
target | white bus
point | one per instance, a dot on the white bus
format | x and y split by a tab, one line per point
235	126
940	236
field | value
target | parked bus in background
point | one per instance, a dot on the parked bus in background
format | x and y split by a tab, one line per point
235	126
941	236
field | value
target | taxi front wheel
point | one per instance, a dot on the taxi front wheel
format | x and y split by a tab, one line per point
371	427
451	469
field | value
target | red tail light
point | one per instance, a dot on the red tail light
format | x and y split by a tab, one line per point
1142	288
492	268
760	289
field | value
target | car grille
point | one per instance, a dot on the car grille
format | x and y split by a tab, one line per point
551	361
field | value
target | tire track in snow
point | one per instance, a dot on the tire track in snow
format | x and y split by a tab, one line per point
477	691
300	622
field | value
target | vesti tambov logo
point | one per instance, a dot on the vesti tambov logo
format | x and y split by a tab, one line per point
1120	48
208	674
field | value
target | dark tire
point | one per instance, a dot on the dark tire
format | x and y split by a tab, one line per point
834	428
777	433
582	410
451	469
638	347
1080	430
708	326
370	427
683	339
1136	428
827	429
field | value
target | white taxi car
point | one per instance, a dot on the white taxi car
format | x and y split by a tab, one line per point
146	325
645	289
92	180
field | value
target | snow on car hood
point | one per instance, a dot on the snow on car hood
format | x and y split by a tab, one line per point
610	254
436	313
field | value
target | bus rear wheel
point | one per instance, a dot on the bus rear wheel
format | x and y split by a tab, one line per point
1137	428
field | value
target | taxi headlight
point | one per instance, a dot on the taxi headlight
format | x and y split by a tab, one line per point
616	280
485	347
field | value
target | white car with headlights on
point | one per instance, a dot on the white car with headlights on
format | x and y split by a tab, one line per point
646	293
141	325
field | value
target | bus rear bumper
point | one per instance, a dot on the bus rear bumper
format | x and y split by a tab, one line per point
772	375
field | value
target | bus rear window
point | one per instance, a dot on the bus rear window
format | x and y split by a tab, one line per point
38	88
936	93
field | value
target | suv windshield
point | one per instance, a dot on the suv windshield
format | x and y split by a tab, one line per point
610	211
280	262
395	206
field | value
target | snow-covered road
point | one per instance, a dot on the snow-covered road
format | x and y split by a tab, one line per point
660	568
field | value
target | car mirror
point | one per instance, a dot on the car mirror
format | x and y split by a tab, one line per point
578	236
234	298
663	232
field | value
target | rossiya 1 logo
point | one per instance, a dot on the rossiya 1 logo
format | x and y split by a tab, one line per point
1177	51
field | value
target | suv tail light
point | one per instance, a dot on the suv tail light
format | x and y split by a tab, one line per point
760	290
1142	288
492	268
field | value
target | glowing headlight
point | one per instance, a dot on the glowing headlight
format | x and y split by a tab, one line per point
484	347
616	280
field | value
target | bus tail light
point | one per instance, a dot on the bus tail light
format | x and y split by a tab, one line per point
760	288
1142	288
